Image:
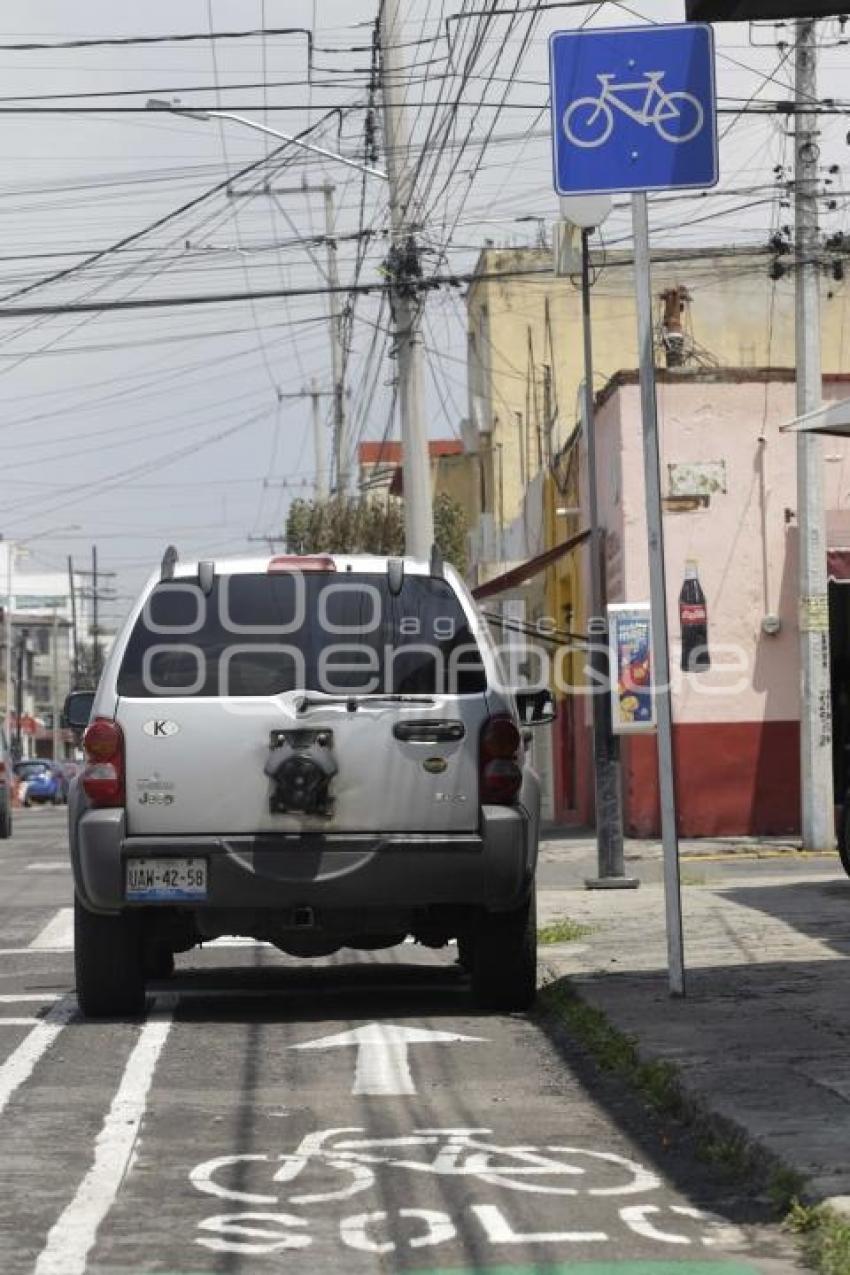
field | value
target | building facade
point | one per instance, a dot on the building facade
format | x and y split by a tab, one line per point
730	499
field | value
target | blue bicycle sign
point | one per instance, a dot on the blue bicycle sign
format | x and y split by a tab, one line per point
633	109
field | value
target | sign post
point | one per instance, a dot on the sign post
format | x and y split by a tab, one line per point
634	110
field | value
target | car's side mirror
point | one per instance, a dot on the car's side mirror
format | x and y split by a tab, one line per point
77	710
535	707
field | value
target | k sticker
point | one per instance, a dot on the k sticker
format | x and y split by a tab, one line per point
160	728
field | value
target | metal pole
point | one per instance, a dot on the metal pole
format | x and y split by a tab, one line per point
19	694
95	644
406	303
319	443
74	634
54	648
818	817
609	819
7	626
658	597
342	460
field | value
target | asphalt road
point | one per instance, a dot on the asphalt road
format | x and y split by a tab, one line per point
241	1126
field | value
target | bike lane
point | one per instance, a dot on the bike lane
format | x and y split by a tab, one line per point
307	1115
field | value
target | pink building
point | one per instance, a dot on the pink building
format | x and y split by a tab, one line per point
729	478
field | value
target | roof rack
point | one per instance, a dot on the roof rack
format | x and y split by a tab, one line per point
395	575
206	575
169	562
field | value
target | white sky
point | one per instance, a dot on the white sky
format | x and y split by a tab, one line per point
112	422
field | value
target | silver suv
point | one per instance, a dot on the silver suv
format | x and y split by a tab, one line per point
318	752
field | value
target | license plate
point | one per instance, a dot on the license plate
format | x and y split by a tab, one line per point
166	880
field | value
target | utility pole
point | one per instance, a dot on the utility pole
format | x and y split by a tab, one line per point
404	271
95	631
342	460
606	750
23	641
818	820
330	274
319	441
75	639
54	680
95	594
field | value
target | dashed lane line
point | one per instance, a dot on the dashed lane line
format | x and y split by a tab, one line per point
42	998
20	1064
73	1236
57	935
53	865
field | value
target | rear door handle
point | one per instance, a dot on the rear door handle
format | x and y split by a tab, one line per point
429	731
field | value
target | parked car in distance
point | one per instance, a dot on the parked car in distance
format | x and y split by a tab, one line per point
44	783
270	777
5	787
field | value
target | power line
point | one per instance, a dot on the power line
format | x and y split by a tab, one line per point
181	38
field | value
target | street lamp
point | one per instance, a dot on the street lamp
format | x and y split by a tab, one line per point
12	547
176	108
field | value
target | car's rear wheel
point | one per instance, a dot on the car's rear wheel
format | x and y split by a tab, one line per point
504	958
159	961
5	821
109	964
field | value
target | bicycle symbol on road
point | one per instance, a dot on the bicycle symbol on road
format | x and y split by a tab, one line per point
676	117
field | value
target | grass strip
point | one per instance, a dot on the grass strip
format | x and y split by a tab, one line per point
563	931
825	1233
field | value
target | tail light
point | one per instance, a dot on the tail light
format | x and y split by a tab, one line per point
103	776
294	562
501	773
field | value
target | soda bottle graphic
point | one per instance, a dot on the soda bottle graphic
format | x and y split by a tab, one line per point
693	616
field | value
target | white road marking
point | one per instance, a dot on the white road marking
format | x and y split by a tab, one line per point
382	1067
19	1022
28	951
636	1217
271	1236
499	1230
57	935
354	1231
50	865
19	1066
15	998
73	1235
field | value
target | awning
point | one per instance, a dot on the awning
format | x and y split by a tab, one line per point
831	418
527	570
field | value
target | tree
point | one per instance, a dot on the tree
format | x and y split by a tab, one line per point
360	525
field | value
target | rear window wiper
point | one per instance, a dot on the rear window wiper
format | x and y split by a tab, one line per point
353	702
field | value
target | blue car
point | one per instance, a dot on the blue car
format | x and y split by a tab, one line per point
44	783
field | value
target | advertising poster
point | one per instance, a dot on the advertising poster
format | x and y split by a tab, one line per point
632	698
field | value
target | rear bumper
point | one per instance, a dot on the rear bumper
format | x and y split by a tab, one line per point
492	869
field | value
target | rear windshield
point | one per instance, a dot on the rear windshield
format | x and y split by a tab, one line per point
340	634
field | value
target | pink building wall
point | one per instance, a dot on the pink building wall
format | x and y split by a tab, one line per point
736	726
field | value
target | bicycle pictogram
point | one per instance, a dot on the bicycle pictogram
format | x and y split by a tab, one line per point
344	1163
677	117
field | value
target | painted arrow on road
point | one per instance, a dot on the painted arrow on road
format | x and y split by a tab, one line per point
382	1054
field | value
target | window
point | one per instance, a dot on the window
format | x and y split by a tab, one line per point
339	634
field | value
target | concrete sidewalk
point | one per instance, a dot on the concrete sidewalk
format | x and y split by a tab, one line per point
763	1036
